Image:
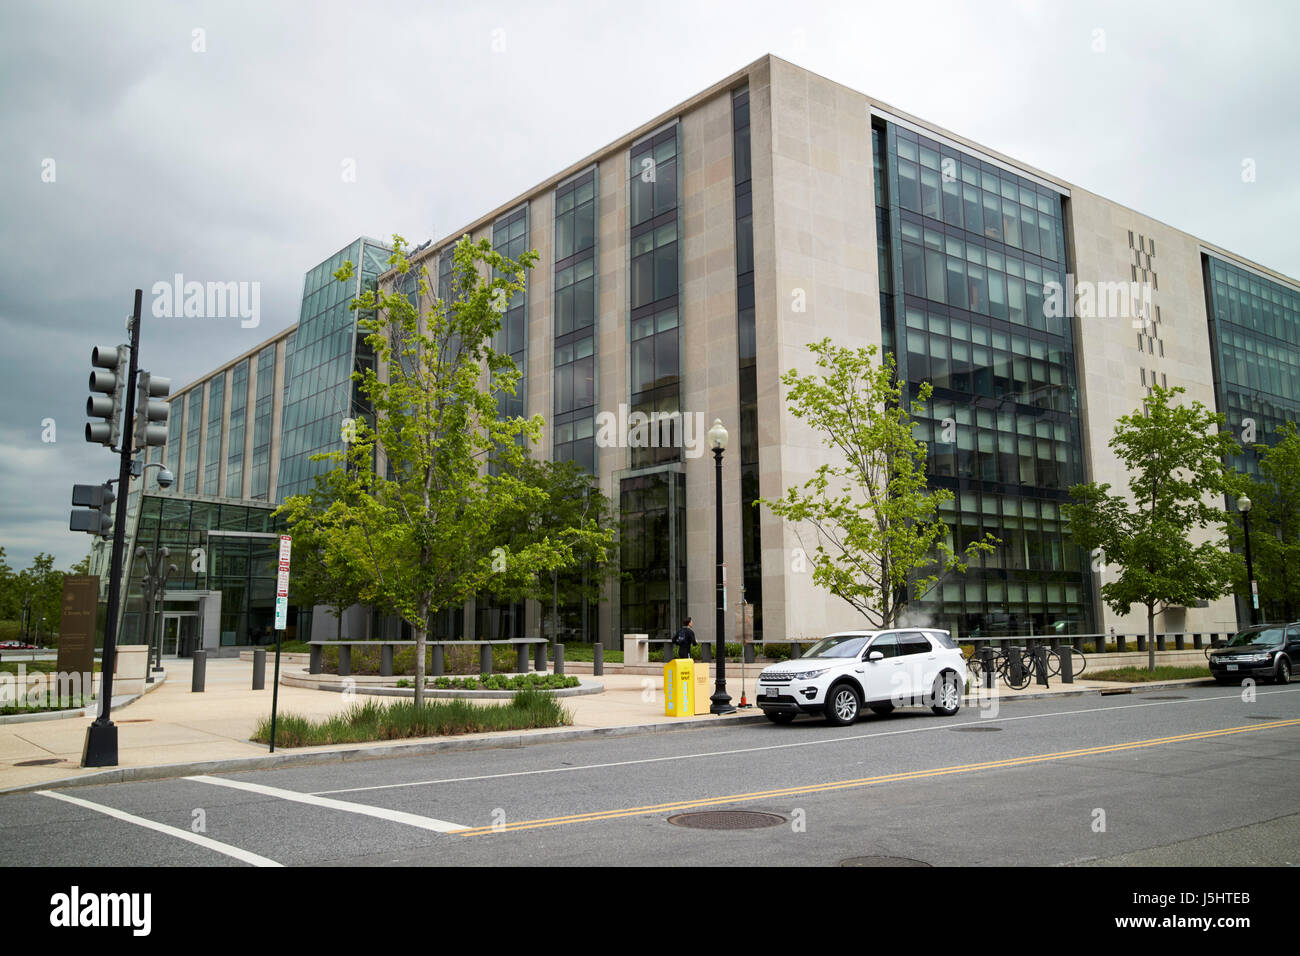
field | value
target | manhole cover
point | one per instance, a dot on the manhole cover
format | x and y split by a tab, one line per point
42	762
727	820
881	861
1175	697
976	728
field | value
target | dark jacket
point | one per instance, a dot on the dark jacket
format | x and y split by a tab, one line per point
684	639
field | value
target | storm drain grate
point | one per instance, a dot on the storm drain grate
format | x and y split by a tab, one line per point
727	820
881	861
977	728
42	762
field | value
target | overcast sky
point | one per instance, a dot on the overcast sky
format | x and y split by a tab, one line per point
219	154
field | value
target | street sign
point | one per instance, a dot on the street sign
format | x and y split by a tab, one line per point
282	585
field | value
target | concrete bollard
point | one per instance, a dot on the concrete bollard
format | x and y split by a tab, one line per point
314	664
485	658
796	651
706	652
1142	642
597	659
1160	642
1179	642
1015	665
748	655
539	657
345	660
1067	666
1196	641
1123	643
437	668
259	669
386	660
198	678
521	658
1040	665
559	658
986	666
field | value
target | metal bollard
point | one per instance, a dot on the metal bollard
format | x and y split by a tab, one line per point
559	658
386	660
597	659
706	652
198	677
796	650
1160	642
1040	665
259	669
1142	642
1179	642
1123	643
345	660
1067	666
485	658
438	667
1015	665
314	665
986	666
748	656
521	658
1196	641
539	657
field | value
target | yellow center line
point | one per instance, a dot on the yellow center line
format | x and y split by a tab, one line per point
868	781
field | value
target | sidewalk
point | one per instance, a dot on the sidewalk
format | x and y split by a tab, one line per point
172	726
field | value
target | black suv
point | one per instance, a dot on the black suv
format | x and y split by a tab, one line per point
1267	651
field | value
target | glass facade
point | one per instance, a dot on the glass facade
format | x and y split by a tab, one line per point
966	248
573	424
655	368
1255	337
238	424
510	239
751	542
212	436
262	412
652	554
320	391
193	431
242	549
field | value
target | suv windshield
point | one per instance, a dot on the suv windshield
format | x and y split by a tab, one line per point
1258	635
844	645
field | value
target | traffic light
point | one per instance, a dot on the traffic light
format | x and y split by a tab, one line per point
98	497
150	415
111	388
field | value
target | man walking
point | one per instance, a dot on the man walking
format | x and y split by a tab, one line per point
685	639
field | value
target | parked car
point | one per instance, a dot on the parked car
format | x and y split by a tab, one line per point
1266	651
16	646
845	672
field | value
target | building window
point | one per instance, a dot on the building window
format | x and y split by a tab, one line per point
212	447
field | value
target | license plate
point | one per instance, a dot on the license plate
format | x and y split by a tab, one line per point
1232	667
774	692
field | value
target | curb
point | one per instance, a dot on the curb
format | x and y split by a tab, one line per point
508	740
1132	688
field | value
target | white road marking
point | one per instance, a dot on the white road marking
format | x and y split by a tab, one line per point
394	816
799	743
203	841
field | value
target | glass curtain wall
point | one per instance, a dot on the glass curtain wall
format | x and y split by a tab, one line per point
573	425
238	425
967	247
212	439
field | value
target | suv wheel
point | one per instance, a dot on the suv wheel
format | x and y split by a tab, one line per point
1283	673
842	705
778	716
947	695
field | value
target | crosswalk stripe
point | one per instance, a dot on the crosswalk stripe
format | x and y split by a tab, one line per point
383	813
197	838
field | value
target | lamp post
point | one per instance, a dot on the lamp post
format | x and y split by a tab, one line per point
1244	505
721	699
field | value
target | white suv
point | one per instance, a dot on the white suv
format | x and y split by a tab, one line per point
844	672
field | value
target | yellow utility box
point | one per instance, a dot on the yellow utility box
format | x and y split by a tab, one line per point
703	688
679	687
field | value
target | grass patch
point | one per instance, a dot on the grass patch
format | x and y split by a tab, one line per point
397	720
502	682
1140	675
286	647
586	653
34	667
7	710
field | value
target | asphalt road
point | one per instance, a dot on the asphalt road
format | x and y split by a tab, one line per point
1193	776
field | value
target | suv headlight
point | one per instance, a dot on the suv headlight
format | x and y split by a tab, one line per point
808	675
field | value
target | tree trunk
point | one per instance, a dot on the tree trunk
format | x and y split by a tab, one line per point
1151	637
421	634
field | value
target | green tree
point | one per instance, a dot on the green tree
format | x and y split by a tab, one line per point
572	508
1274	527
1174	455
40	588
879	530
81	567
427	480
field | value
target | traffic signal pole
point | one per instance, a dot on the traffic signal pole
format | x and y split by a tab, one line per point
101	736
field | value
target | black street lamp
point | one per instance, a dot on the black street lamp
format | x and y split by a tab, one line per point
1244	505
721	699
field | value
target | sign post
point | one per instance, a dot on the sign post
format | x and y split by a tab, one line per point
281	623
